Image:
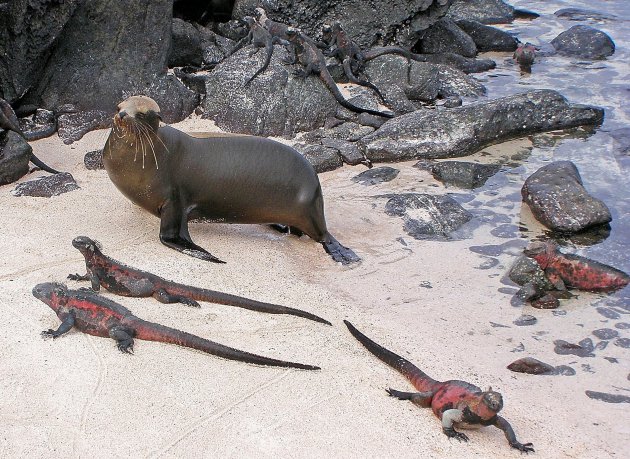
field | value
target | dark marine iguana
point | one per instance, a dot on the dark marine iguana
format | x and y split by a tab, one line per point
126	281
98	316
9	122
313	61
454	402
261	38
568	270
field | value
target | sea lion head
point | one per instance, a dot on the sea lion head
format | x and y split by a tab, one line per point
136	113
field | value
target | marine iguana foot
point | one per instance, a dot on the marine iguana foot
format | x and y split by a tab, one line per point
50	333
300	73
123	337
78	277
164	297
452	433
338	252
399	394
523	447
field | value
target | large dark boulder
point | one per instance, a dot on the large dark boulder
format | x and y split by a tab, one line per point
584	41
445	36
29	30
558	200
461	173
186	46
488	38
275	103
15	154
368	23
108	51
404	82
47	187
464	130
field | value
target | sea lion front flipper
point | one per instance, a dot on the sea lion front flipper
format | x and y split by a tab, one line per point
339	252
174	233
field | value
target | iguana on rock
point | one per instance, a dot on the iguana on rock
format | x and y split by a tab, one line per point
313	61
98	316
126	281
454	402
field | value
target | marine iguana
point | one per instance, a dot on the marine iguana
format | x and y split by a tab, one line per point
524	56
126	281
261	38
313	61
9	122
98	316
568	270
454	402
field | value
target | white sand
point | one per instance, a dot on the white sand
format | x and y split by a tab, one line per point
78	396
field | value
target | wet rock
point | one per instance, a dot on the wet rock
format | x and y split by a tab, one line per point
507	231
583	349
531	366
623	342
276	103
525	271
322	158
558	200
459	62
46	187
445	36
584	41
547	301
581	15
73	126
186	46
622	140
452	102
426	216
608	313
525	320
608	398
93	160
484	11
622	326
94	63
564	370
32	29
606	333
15	154
465	130
488	38
463	174
376	176
368	23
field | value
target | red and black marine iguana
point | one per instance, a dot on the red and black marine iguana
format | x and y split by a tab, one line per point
98	316
454	402
314	62
126	281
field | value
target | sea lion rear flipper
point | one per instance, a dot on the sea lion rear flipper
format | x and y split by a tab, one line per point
339	252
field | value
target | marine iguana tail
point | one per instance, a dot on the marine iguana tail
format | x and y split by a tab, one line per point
98	316
9	121
454	402
314	62
126	281
261	38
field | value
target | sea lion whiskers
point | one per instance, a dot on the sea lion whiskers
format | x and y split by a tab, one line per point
144	130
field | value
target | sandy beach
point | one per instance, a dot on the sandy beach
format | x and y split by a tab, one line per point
435	303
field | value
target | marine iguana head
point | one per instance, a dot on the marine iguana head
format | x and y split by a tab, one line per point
250	21
493	400
542	252
52	293
86	246
8	119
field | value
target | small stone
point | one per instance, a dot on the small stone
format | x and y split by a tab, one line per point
623	342
531	366
525	320
606	333
46	187
376	175
93	160
547	301
609	398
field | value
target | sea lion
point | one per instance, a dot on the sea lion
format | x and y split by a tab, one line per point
231	179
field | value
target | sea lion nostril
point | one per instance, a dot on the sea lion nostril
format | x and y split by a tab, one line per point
122	114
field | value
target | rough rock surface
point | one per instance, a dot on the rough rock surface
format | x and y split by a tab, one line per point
465	130
28	34
488	38
484	11
532	366
368	23
73	126
46	187
15	153
99	48
186	46
93	160
584	41
376	175
321	158
558	200
276	103
426	216
445	36
460	173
